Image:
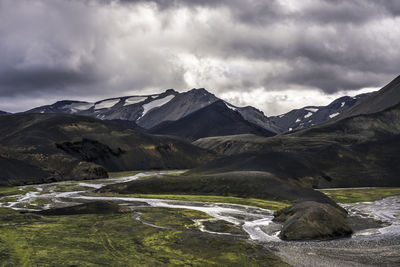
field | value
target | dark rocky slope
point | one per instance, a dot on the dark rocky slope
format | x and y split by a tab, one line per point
322	157
43	147
359	150
216	119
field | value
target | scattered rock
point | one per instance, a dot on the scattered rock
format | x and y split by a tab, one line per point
312	220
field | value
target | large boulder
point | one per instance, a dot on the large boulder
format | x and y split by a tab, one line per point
312	220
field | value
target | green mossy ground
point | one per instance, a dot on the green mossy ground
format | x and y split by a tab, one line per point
9	191
120	240
220	226
361	194
165	217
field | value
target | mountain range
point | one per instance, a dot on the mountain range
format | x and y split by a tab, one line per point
177	114
314	115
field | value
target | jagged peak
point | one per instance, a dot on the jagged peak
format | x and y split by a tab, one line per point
170	91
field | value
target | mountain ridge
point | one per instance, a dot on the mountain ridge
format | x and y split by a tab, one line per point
217	119
149	111
309	116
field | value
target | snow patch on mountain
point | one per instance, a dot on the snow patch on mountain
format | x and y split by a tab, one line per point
107	103
76	107
309	114
134	100
155	104
311	109
230	107
333	115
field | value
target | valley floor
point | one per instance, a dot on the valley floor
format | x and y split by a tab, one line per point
184	230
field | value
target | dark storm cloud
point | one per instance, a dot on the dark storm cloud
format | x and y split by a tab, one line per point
322	11
102	48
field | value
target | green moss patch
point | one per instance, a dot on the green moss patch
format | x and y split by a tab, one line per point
220	226
120	240
361	194
8	191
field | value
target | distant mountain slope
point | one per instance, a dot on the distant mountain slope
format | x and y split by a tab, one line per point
383	99
217	119
180	106
314	115
152	110
48	147
3	112
257	117
122	108
64	106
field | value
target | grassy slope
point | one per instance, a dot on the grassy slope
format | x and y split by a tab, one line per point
120	240
361	194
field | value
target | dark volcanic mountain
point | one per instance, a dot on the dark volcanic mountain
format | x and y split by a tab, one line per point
217	119
152	110
47	147
314	115
360	150
3	112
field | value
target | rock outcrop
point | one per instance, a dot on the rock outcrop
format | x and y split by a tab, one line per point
311	220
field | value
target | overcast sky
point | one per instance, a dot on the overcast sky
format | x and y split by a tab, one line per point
275	55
